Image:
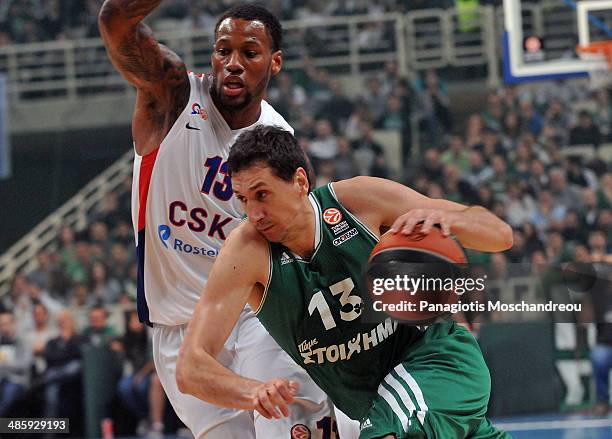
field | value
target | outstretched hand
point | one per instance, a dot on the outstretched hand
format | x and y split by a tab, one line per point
445	218
273	397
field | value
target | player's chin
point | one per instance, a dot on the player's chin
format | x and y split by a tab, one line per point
236	102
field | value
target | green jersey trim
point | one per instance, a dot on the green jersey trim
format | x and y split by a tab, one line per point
270	268
357	220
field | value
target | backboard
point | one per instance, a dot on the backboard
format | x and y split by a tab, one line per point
540	38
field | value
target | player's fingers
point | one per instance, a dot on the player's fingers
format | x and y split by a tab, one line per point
294	387
277	400
409	224
285	392
445	227
428	224
260	409
267	404
398	224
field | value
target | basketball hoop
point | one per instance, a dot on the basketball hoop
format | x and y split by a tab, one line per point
598	50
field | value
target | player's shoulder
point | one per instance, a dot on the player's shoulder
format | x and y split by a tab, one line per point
246	247
246	239
357	188
273	118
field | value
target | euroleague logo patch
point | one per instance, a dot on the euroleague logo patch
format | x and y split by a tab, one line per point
332	216
300	431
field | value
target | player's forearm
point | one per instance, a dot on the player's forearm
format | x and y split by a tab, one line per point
126	11
201	375
479	229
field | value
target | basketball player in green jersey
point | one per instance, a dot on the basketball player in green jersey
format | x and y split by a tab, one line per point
298	262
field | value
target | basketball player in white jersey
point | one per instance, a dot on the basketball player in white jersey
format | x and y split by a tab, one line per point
183	206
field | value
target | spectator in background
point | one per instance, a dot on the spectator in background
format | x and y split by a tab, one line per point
573	228
499	181
286	97
67	251
393	119
590	209
338	108
39	337
538	179
520	206
15	363
123	233
140	389
346	166
603	113
434	106
326	173
432	166
604	194
598	246
99	332
585	132
42	275
556	118
98	236
80	296
108	214
490	144
473	131
64	364
479	172
119	264
579	175
555	247
105	289
367	150
374	99
457	154
511	129
325	145
547	213
563	193
84	259
493	116
531	120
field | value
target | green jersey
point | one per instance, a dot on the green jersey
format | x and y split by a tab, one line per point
312	308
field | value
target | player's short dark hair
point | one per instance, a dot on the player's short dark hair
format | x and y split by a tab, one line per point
271	146
252	12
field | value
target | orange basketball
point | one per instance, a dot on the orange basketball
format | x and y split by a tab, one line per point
412	277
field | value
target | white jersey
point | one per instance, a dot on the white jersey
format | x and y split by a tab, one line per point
183	206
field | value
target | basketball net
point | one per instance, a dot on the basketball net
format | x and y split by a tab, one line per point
600	78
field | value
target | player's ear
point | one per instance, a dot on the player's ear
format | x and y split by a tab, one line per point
301	179
277	62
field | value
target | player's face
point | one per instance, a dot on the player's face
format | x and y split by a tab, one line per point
242	63
272	204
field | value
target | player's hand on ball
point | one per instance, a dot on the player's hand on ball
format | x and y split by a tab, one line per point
272	397
406	223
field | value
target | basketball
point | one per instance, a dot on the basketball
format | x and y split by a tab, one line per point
413	276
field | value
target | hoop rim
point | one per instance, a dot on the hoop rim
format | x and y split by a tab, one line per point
603	48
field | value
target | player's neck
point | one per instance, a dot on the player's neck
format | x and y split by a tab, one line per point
240	118
301	238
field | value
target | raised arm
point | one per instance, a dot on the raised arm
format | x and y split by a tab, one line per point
384	203
158	73
237	277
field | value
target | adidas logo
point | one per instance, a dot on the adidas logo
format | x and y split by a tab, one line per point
365	424
285	259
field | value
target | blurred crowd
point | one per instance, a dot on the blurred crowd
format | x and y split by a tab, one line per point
28	21
511	157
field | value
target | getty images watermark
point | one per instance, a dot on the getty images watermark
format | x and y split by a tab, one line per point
496	292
